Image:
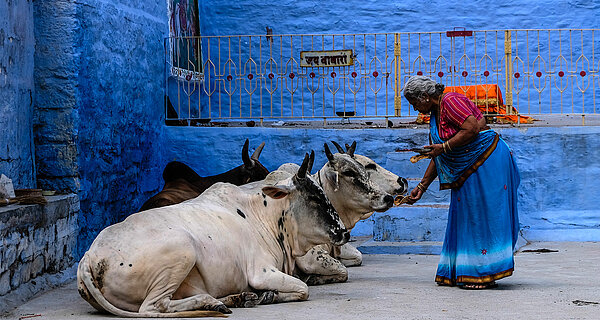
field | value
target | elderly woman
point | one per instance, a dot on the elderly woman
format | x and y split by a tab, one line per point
477	165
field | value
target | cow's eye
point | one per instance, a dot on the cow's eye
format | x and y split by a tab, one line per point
371	166
349	173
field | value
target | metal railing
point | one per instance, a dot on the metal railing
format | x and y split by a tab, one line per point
549	71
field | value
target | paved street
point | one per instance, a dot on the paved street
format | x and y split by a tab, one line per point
550	285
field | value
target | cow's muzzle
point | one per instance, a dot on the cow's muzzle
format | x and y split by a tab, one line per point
388	202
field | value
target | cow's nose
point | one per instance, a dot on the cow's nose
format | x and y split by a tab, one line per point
403	186
389	200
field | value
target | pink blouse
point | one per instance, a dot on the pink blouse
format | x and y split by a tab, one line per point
455	108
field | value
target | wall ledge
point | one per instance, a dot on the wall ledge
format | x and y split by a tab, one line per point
37	246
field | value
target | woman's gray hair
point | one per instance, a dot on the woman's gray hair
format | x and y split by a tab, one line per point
416	86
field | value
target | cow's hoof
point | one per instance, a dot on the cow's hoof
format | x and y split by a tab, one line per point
267	297
249	299
220	308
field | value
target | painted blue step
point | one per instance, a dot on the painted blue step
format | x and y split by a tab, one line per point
433	194
415	220
411	223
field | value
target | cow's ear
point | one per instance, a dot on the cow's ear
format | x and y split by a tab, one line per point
276	192
332	177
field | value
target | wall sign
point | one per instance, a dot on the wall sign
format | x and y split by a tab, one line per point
322	59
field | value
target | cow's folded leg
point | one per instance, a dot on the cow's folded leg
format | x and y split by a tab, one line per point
321	268
241	300
315	280
283	287
198	302
349	255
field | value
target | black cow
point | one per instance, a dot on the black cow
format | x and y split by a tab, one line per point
183	183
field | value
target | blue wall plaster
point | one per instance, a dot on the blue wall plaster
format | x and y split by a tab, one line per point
120	45
56	112
17	92
286	17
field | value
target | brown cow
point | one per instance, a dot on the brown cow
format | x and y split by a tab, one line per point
183	183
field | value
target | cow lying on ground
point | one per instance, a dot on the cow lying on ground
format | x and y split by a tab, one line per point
209	252
182	183
325	263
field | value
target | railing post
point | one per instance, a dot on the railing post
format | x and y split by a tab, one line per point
397	88
508	71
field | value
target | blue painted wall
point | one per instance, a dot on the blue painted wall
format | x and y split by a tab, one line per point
120	79
17	92
558	198
99	105
56	109
91	87
353	16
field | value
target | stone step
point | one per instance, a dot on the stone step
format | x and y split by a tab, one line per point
411	223
419	222
433	195
404	247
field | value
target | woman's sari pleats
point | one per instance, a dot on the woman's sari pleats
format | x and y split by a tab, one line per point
483	221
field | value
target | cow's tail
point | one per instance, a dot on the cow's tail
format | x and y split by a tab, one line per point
84	273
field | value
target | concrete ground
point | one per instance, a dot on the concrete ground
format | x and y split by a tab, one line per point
545	285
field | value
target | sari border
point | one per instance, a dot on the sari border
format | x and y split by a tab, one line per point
484	156
471	279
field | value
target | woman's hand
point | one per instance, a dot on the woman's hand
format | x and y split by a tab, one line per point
436	150
415	195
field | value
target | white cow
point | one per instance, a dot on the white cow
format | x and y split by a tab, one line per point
326	263
209	252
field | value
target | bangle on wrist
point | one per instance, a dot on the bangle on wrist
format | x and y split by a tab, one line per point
446	146
421	187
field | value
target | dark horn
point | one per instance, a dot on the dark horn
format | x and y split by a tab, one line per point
350	150
257	152
347	146
328	152
245	157
302	171
311	161
340	149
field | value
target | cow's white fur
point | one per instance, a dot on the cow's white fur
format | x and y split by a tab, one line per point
182	257
327	263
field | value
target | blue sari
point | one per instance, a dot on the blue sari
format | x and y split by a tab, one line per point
483	222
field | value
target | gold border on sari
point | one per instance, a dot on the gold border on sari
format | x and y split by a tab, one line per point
486	154
471	279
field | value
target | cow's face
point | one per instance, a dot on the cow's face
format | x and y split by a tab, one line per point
350	180
315	219
319	220
384	179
